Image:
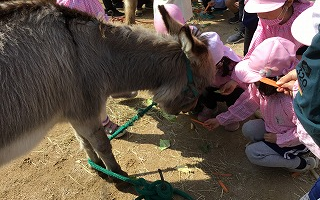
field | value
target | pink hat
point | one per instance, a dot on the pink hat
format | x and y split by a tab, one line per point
262	6
174	11
305	26
217	49
273	57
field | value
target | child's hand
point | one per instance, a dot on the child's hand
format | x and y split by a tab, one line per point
211	124
270	137
286	82
211	3
228	88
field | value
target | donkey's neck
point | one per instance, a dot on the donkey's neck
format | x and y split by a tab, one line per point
135	59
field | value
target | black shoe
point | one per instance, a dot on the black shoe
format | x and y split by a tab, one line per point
234	19
114	13
235	38
118	4
149	5
139	13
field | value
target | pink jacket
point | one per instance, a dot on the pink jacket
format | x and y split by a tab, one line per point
283	30
277	111
92	7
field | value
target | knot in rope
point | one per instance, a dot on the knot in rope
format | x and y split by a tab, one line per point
158	190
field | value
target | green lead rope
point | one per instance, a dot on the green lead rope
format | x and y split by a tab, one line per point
131	121
158	190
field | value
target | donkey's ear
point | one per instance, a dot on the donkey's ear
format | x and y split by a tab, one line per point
186	39
190	44
172	25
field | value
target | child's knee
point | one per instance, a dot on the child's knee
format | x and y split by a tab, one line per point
253	130
251	152
248	129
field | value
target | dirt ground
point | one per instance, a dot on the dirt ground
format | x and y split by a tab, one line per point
58	169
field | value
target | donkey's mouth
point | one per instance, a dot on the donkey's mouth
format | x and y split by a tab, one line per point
190	107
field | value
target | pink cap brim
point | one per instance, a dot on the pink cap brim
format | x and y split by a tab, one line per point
245	75
228	52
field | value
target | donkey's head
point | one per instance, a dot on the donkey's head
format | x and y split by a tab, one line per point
198	65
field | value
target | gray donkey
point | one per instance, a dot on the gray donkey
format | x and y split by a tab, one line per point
58	64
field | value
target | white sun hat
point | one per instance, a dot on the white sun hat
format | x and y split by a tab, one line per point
306	25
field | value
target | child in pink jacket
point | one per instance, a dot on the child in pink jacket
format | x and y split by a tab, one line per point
274	140
223	88
92	7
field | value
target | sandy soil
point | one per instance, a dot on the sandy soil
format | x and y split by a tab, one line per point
58	169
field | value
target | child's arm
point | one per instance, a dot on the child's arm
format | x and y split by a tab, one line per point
228	88
244	107
211	3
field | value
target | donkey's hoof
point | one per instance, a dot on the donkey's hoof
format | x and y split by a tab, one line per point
123	186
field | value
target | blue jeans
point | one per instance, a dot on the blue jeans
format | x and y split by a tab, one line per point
314	193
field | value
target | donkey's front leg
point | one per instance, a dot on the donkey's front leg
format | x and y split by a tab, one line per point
97	145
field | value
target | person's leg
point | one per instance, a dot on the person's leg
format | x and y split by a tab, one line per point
208	11
232	98
149	4
209	97
110	9
241	9
139	8
117	3
208	101
140	4
250	21
108	4
254	130
205	3
210	110
261	154
239	35
314	193
234	9
267	154
247	40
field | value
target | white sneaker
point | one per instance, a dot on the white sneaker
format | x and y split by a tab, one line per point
258	114
311	164
305	197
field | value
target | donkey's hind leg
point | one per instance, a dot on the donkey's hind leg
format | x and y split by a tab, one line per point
89	150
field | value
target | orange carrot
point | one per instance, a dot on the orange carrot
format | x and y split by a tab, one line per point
269	82
205	10
295	174
225	189
218	174
198	122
